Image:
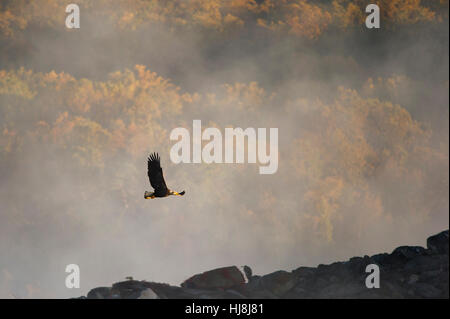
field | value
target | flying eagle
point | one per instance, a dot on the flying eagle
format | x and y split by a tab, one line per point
155	175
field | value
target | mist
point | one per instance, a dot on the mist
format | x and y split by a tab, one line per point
362	118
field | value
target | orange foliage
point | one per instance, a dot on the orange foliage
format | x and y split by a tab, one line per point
347	157
352	144
303	18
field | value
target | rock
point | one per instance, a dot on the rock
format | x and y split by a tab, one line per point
248	272
223	278
165	291
298	292
426	263
438	244
148	294
263	294
99	293
236	294
413	279
408	272
342	290
427	291
129	289
358	264
278	282
408	252
304	271
134	289
254	284
379	259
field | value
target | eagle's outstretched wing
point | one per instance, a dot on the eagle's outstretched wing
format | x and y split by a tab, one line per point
155	174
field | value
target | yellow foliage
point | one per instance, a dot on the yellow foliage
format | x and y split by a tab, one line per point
303	18
355	141
339	154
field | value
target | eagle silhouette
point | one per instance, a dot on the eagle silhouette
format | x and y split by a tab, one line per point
156	178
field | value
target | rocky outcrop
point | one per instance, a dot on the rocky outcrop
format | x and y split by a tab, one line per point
407	272
221	278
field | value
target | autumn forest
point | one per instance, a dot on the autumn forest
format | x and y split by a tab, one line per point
363	135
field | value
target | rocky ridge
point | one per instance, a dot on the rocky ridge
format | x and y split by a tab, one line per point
407	272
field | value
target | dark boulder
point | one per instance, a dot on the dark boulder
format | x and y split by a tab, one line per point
438	244
279	282
409	252
100	293
248	272
223	278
